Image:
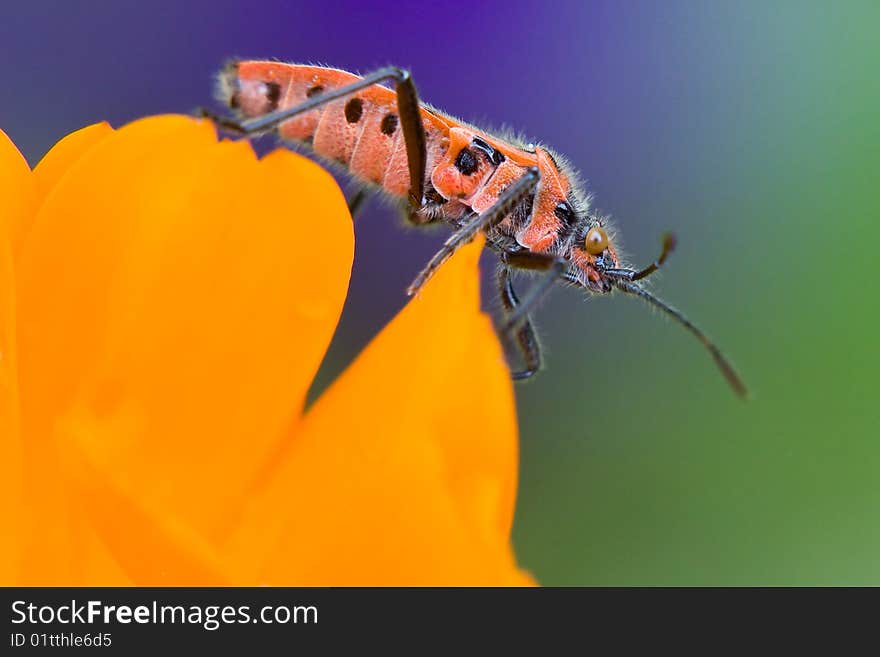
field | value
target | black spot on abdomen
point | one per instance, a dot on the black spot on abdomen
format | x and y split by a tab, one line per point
273	95
389	124
314	91
354	110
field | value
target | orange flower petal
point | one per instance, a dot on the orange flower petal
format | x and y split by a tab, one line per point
404	472
17	189
16	195
64	155
182	295
147	544
62	324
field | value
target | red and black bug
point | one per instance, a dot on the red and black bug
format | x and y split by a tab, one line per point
520	196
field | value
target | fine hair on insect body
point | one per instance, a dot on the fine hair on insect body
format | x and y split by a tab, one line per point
523	198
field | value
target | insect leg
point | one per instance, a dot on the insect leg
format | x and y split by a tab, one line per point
507	201
356	202
416	218
407	107
524	337
554	268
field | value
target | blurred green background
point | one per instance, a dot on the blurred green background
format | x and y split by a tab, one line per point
675	481
751	129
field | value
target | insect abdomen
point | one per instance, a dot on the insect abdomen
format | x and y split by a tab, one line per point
361	132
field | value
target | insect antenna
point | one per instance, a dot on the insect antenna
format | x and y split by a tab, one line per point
633	275
720	359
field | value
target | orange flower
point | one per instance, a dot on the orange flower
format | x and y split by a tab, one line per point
165	301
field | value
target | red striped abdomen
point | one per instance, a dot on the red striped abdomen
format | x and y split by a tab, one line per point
361	132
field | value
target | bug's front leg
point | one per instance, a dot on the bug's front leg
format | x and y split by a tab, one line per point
524	337
554	269
507	201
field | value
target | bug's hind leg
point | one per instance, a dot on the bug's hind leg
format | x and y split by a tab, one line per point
524	337
506	202
407	108
223	122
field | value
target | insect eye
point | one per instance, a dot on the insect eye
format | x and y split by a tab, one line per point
596	240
